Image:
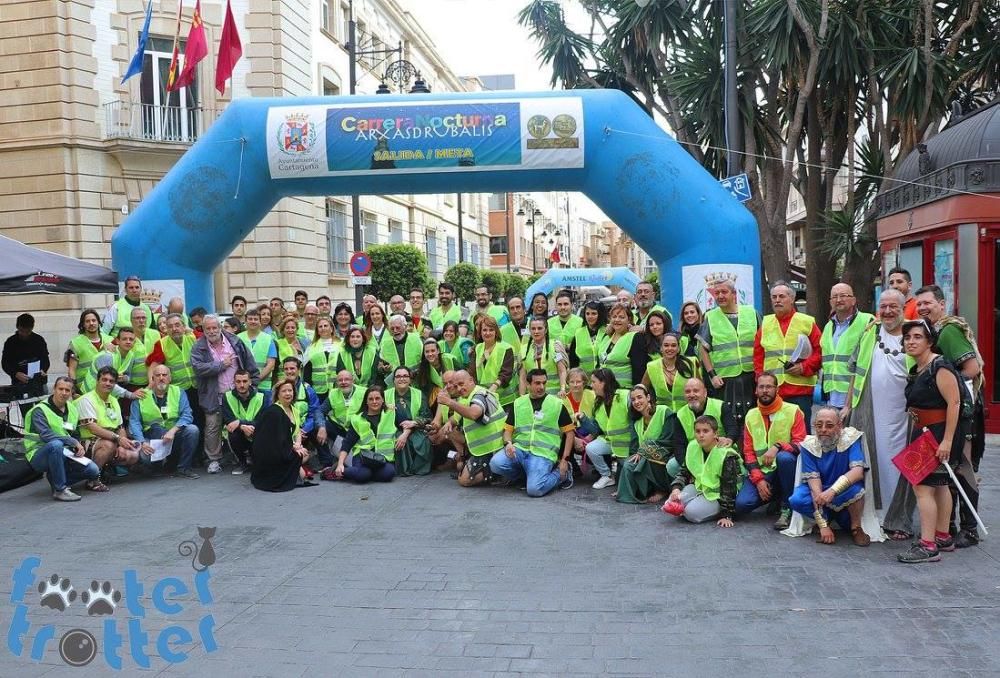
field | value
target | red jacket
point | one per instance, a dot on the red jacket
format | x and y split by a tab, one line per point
810	365
750	454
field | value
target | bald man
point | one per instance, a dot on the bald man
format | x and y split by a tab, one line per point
841	338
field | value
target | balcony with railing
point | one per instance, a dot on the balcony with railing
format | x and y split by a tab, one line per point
162	124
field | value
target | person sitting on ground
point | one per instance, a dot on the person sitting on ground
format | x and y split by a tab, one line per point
399	347
240	408
709	480
341	402
833	465
773	429
102	428
413	449
369	442
445	429
308	411
612	429
645	476
24	352
579	403
164	414
482	426
532	440
50	436
667	374
278	452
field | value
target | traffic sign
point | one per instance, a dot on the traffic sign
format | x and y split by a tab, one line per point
361	265
356	280
739	186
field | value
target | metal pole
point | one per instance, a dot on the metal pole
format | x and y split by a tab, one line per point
352	49
508	207
461	234
534	247
731	105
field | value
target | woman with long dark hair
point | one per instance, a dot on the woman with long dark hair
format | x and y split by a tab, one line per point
667	374
357	356
645	476
433	364
613	427
691	319
542	353
656	327
375	326
540	306
455	345
584	346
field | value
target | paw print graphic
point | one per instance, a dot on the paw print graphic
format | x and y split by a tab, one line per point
101	599
57	593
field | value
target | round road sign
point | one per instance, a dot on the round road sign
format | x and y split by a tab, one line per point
360	263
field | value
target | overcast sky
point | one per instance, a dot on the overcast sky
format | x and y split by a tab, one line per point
482	37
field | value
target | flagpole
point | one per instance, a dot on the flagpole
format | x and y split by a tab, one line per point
173	55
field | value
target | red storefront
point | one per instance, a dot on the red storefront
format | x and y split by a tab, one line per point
942	223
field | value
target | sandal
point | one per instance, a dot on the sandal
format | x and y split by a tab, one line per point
898	535
860	537
97	486
308	483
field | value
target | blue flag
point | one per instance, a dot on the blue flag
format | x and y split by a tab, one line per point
136	64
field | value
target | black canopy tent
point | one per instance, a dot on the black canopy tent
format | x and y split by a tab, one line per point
25	269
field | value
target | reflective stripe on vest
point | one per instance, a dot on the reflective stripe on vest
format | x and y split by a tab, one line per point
83	349
366	374
672	397
707	472
439	317
485	438
259	347
617	359
778	347
489	372
837	359
153	415
564	333
616	427
416	400
60	426
654	430
108	414
713	408
539	435
412	350
585	347
382	441
732	347
341	410
779	431
178	361
529	362
324	374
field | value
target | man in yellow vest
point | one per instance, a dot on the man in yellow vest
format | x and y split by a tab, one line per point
336	410
645	303
482	426
839	341
262	346
726	348
696	404
174	351
102	427
537	438
399	348
516	331
784	335
563	325
165	414
446	308
50	437
240	408
119	314
144	334
773	429
485	306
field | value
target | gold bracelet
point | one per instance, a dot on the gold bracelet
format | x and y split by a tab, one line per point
820	520
840	485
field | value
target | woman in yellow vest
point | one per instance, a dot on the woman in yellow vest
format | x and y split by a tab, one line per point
357	356
433	364
369	443
656	329
413	448
290	343
709	480
375	326
493	364
667	375
84	349
543	353
460	348
319	368
278	453
645	476
612	425
583	347
623	351
691	318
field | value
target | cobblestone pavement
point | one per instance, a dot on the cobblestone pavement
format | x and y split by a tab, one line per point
421	577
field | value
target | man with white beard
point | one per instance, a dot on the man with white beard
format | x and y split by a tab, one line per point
879	368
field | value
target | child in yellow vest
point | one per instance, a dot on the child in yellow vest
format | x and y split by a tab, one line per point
708	481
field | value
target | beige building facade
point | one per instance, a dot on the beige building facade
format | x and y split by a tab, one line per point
79	150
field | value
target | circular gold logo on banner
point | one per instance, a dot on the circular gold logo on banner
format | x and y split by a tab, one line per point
564	125
539	126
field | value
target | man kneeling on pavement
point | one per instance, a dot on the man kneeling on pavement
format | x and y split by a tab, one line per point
832	479
532	440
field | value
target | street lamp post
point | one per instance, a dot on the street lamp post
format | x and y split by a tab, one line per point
508	206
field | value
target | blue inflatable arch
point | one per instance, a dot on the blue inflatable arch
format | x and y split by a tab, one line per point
598	142
557	278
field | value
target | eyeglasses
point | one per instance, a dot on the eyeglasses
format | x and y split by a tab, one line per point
835	297
402	376
312	314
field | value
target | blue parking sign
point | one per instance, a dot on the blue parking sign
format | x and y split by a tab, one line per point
739	186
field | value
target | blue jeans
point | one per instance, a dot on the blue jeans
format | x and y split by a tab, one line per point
356	472
185	442
542	475
781	480
60	471
597	450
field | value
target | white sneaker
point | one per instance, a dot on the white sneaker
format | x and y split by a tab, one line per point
66	495
214	467
602	482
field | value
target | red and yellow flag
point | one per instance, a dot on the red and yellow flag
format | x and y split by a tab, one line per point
196	50
174	61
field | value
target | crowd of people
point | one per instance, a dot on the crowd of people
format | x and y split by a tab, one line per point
712	418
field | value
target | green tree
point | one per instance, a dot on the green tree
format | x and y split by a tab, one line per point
396	269
516	285
654	279
495	281
815	79
466	278
532	279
